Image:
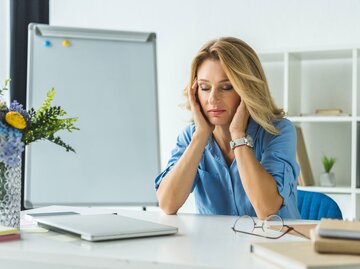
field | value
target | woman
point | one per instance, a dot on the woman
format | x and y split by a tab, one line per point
239	154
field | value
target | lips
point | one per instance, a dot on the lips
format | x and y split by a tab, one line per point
216	111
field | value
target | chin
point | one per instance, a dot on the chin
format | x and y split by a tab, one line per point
219	122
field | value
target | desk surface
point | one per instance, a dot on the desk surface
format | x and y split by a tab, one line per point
202	242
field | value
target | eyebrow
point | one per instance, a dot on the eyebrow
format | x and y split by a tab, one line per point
221	81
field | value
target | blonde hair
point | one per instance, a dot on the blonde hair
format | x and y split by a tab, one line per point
244	70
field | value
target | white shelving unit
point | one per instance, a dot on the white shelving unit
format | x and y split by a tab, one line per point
303	81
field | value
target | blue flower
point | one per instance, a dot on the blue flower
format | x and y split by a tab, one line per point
11	145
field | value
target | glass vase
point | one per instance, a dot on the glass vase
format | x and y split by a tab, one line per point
10	195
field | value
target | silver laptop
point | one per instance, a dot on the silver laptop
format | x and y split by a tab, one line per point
104	226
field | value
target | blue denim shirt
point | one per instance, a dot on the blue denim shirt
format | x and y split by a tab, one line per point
218	188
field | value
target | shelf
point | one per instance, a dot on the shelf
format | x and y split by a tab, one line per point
343	190
302	81
315	80
320	118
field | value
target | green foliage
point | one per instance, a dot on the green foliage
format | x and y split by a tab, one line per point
47	102
328	163
45	122
4	87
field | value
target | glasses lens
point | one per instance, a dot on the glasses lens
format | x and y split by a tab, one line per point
273	223
245	224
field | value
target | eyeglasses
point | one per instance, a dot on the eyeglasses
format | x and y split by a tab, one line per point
272	224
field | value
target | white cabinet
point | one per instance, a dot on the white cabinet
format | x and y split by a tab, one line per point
303	81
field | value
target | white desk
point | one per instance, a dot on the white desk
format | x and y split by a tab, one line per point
202	242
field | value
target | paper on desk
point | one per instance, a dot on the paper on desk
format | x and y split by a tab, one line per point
34	229
28	225
302	228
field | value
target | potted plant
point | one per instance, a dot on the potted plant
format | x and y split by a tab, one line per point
327	178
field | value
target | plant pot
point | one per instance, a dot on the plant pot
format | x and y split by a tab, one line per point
327	179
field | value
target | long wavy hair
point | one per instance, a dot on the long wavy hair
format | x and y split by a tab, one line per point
244	70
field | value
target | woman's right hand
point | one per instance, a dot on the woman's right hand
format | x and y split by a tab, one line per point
178	182
202	125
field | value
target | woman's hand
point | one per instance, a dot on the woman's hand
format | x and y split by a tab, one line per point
202	125
239	122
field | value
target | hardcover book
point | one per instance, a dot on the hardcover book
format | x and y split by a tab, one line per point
301	255
334	245
329	111
306	176
339	229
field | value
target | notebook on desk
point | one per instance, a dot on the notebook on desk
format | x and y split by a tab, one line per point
104	227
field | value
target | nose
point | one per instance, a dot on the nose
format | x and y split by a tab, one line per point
213	97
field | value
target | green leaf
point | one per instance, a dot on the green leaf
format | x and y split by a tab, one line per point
47	102
47	121
4	87
328	163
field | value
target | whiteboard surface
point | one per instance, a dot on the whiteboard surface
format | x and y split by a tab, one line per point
108	80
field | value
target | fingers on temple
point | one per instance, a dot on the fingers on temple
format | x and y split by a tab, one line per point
192	91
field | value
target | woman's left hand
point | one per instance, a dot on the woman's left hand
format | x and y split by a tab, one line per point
239	122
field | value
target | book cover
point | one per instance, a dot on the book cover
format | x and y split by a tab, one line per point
301	255
339	228
8	230
329	111
334	245
306	175
10	237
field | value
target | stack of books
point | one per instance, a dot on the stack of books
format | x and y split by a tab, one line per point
334	244
301	255
337	236
9	233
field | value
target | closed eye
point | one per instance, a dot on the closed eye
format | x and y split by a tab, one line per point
204	87
227	87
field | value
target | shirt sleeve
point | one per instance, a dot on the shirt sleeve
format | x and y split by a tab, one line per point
279	160
182	142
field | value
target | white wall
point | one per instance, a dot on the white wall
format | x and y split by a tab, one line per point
183	26
4	42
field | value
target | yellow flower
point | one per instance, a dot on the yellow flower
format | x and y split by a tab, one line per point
15	119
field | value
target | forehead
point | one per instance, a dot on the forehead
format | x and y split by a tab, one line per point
211	70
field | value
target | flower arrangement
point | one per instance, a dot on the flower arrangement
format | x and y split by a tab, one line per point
328	163
19	127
